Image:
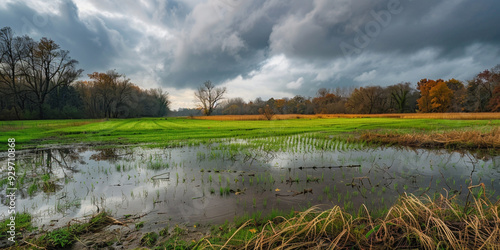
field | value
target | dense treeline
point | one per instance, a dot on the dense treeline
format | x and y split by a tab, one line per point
481	94
37	81
113	96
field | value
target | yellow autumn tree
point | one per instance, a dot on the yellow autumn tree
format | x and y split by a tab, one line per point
440	96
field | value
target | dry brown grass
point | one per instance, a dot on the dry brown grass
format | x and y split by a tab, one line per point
412	223
470	139
450	116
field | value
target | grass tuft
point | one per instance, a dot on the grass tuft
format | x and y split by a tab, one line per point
412	223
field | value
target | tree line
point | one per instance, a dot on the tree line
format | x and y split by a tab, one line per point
480	94
38	81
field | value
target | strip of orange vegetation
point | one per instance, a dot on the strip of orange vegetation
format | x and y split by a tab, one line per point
451	116
451	139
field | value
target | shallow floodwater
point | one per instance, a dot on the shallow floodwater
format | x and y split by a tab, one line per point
212	184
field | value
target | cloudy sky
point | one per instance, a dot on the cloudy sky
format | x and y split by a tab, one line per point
267	48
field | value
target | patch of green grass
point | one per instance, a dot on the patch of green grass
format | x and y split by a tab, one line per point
178	231
164	232
182	131
224	191
66	236
45	177
22	220
149	239
32	189
175	243
60	238
139	225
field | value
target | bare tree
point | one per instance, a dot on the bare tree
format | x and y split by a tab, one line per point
267	112
367	100
12	51
115	92
209	96
234	106
161	101
45	68
403	97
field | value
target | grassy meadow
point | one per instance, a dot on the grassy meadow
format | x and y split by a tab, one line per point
160	132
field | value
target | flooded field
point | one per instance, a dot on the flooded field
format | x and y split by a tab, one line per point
214	183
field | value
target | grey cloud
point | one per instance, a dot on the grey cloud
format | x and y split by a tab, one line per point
182	43
448	25
92	48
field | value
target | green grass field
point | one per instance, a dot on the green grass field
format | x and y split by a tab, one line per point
179	131
322	229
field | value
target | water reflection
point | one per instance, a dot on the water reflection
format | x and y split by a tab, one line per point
211	184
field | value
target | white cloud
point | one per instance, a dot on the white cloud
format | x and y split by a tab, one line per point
366	76
181	98
295	84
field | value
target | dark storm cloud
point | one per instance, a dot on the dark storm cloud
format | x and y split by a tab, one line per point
384	25
285	47
450	26
326	30
92	48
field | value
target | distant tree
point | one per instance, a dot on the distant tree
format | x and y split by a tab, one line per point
114	92
92	104
424	102
209	97
267	112
111	95
254	106
459	94
297	105
325	102
65	102
440	96
234	106
280	105
494	104
161	101
402	97
149	103
480	90
368	100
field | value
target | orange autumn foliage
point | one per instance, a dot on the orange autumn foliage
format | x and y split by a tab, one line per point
440	96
